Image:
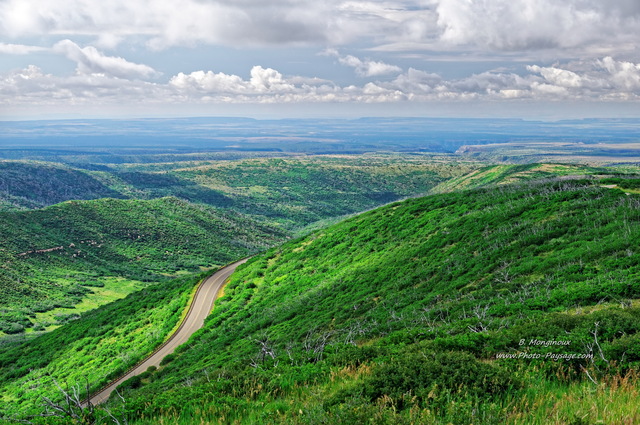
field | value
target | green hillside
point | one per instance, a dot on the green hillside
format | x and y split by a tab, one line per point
28	185
294	192
464	307
93	349
402	314
53	257
299	191
74	256
508	174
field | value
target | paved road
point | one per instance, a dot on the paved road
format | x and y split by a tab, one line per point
199	310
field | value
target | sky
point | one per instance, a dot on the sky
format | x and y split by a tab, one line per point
542	59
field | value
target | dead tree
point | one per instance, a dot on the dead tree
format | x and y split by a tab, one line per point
73	408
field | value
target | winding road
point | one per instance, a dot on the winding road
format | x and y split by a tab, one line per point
198	310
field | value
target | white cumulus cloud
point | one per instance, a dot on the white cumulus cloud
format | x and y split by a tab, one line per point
268	80
209	81
369	68
263	80
605	79
600	80
33	88
624	75
559	77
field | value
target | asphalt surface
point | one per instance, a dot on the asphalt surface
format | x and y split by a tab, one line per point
200	308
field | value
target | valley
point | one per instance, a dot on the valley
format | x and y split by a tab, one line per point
181	219
341	212
384	286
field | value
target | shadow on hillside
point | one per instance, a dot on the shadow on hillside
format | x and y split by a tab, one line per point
160	185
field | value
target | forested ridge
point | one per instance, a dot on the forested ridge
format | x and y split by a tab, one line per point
53	257
76	237
424	311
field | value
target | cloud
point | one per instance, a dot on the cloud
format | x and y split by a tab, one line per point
417	82
593	26
624	75
263	80
363	68
559	77
600	80
180	22
584	50
604	79
268	80
31	87
19	49
91	61
520	25
209	82
369	68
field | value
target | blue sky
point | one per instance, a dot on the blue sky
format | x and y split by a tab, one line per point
288	58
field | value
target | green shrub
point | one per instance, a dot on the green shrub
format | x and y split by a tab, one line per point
11	327
131	383
432	375
627	347
167	359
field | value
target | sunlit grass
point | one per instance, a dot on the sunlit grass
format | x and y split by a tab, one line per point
612	401
114	288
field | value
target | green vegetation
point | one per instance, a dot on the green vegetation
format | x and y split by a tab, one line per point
509	174
95	348
52	258
299	191
445	309
408	314
627	185
27	185
68	258
293	192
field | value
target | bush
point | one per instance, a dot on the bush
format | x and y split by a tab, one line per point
627	347
167	359
351	355
42	307
131	383
432	375
11	327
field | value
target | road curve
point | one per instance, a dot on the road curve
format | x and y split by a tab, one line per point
200	308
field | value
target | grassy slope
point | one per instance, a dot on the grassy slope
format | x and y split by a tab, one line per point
398	315
99	243
507	174
98	346
115	247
